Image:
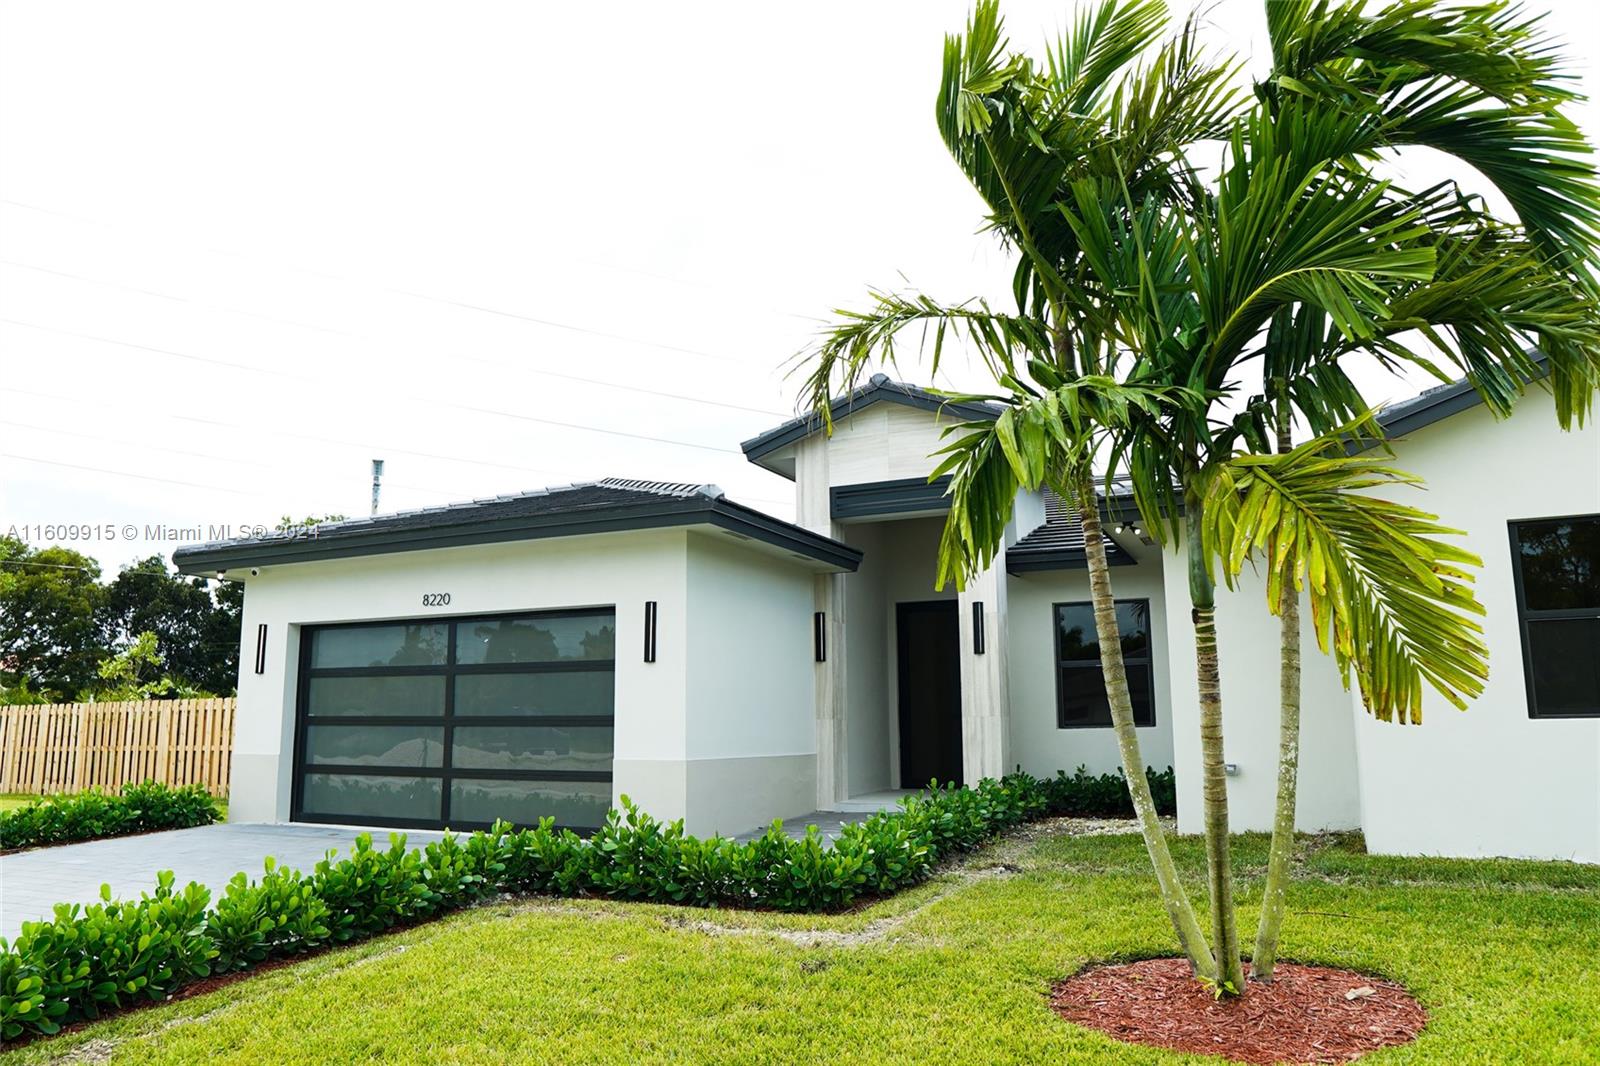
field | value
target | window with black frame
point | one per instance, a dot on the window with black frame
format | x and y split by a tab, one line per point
1557	565
458	722
1080	685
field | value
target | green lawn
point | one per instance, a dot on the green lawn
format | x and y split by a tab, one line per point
1504	955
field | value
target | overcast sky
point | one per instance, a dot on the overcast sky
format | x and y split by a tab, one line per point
245	249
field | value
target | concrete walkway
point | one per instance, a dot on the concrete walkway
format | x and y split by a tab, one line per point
33	882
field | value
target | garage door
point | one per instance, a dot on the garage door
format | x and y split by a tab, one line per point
458	722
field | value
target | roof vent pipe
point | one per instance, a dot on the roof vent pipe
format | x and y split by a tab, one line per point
377	482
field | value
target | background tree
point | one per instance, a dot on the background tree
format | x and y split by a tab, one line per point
195	625
51	635
138	672
58	623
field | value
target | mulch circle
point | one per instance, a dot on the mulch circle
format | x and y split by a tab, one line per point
1306	1014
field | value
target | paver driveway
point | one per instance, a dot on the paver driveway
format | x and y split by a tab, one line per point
33	882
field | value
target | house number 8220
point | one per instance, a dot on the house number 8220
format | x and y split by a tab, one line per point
435	599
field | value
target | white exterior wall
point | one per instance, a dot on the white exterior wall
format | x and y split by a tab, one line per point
751	753
884	442
1036	742
1490	781
621	569
747	637
1248	643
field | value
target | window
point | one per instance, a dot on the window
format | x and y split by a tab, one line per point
1080	686
1557	566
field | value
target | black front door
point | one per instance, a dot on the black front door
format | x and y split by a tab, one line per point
930	692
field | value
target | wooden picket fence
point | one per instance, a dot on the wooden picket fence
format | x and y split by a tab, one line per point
71	747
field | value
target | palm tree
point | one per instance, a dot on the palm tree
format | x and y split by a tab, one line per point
1134	275
1022	134
1482	86
1290	230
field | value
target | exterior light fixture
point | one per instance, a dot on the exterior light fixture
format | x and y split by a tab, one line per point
977	627
261	648
819	636
649	631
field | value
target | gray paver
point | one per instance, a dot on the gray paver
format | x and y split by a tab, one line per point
828	823
33	882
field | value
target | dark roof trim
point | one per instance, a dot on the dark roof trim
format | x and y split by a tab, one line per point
901	496
1064	559
1439	403
879	389
1058	544
749	522
719	512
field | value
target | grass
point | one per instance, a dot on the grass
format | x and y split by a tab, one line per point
1504	955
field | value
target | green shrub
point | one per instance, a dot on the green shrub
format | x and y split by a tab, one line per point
106	955
87	959
94	814
279	915
1084	795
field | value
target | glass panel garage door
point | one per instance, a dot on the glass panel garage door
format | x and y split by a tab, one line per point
457	722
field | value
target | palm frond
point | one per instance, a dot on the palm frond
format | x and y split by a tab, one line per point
1105	38
1493	300
859	339
1287	230
1041	438
1482	82
1390	598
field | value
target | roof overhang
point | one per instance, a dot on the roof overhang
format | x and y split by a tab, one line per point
771	451
913	497
1065	559
822	553
1439	403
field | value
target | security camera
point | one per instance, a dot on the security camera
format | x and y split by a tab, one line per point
255	571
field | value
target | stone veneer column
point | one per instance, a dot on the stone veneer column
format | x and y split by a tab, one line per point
985	696
813	511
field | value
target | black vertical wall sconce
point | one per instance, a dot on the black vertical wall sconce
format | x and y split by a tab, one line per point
977	627
649	631
261	648
819	635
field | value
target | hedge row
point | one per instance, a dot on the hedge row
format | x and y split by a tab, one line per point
95	814
87	960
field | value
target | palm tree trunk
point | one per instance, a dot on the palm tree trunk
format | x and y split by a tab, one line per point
1173	897
1265	954
1214	781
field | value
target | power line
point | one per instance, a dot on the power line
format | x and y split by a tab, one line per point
171	296
537	320
446	493
127	571
361	445
124	473
710	286
137	444
600	382
414	399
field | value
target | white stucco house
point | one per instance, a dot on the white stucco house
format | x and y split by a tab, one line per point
545	653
